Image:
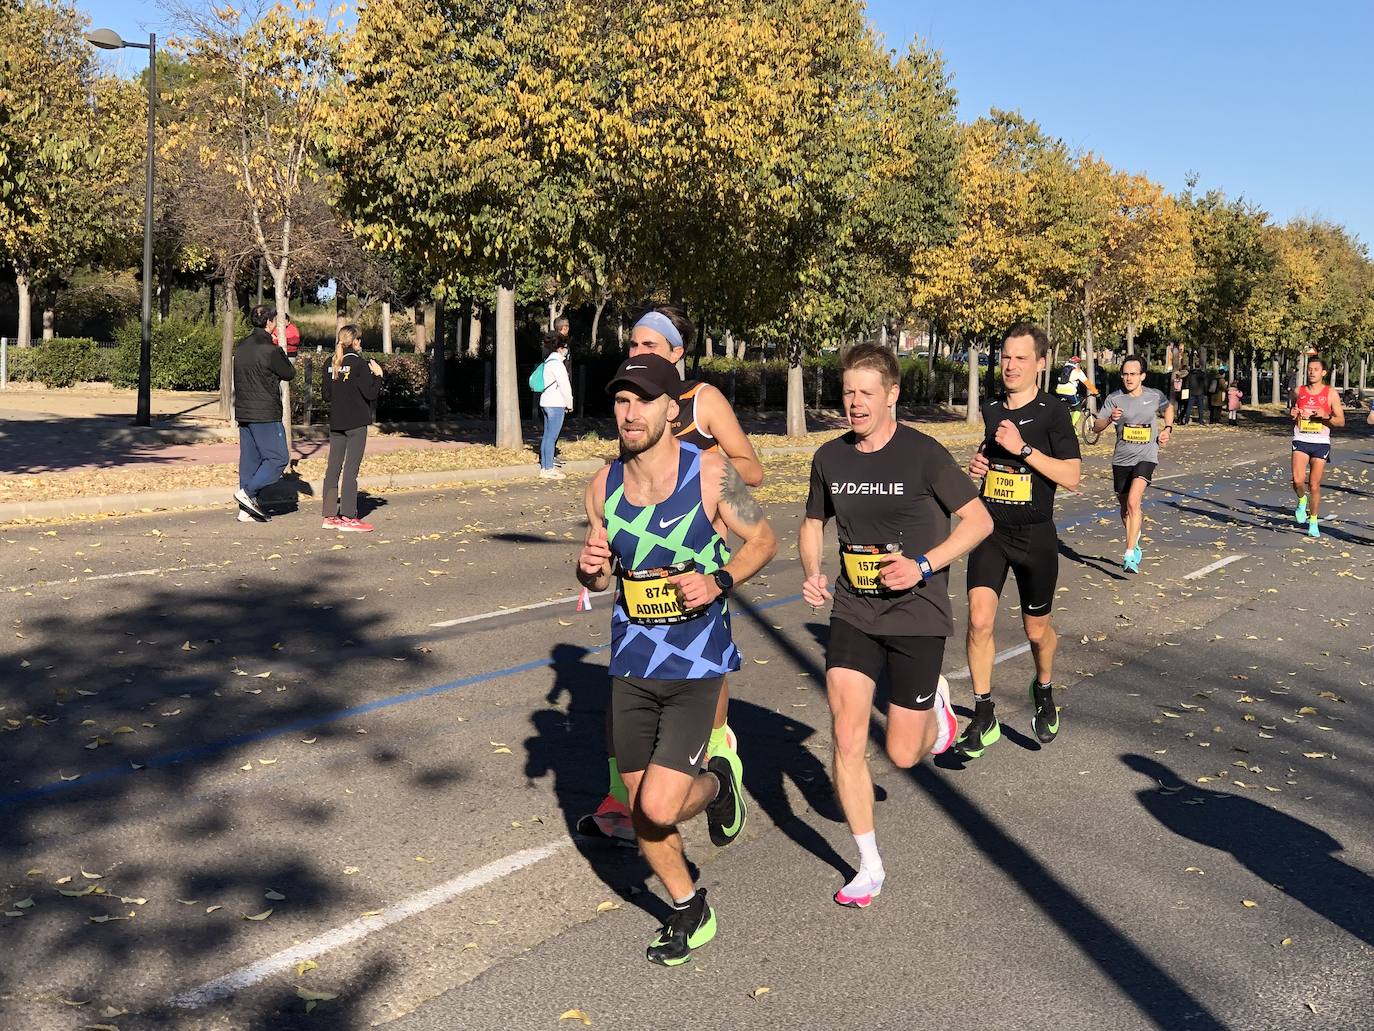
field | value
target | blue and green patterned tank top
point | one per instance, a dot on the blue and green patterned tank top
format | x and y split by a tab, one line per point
672	536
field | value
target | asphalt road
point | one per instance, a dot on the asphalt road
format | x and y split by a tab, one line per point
379	741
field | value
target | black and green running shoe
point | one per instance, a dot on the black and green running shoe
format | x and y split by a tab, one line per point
977	736
1045	721
686	929
726	813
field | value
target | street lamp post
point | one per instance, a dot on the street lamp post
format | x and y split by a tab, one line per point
108	39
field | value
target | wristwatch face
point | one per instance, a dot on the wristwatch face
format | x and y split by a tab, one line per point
1026	449
723	579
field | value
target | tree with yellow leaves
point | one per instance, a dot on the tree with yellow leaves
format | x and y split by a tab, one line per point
1006	256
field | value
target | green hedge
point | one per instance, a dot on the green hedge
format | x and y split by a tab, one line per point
185	354
404	394
60	362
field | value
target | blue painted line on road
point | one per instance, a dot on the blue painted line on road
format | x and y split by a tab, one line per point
211	748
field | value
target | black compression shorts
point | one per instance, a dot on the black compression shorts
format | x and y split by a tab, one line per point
1122	475
664	722
1031	552
912	663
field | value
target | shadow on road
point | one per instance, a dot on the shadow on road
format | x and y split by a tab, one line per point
119	765
1295	857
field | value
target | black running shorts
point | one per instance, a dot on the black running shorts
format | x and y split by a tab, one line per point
912	663
1031	552
1122	475
1318	451
664	722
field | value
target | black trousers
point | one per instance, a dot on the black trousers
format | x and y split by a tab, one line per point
345	454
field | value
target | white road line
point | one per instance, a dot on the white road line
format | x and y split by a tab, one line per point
115	576
505	612
1198	574
1010	653
244	977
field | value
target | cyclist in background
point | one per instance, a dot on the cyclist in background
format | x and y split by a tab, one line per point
1066	387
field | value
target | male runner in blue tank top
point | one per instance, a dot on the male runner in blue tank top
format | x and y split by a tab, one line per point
706	420
652	518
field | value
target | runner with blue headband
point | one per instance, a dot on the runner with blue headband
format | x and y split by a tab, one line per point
705	420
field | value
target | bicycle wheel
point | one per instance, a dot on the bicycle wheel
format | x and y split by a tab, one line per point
1086	419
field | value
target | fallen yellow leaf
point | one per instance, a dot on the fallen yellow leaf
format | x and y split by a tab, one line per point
259	916
576	1015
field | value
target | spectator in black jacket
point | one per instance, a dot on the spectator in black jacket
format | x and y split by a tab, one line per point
351	384
260	366
1197	393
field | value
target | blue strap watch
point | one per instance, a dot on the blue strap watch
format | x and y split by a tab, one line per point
927	570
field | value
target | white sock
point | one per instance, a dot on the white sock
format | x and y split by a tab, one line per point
870	876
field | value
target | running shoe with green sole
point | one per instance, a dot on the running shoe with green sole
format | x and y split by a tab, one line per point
1045	719
977	736
727	812
685	929
729	752
1300	513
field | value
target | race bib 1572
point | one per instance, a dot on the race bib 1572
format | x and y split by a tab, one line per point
1009	486
863	564
650	599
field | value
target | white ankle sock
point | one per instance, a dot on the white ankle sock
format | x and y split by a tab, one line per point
871	873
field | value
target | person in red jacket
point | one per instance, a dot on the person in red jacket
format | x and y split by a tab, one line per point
293	335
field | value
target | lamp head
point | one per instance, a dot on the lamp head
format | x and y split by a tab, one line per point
105	39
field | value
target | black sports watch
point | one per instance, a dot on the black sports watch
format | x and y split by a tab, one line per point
723	580
1026	449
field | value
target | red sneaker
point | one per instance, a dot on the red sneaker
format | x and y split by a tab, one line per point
611	820
354	526
330	523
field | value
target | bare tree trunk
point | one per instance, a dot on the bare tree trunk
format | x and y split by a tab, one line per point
1130	338
596	323
259	300
436	364
1274	387
1345	374
226	352
508	432
48	318
474	329
730	343
24	336
1089	356
340	308
210	310
972	415
1254	376
164	301
710	347
796	397
386	327
1364	365
421	341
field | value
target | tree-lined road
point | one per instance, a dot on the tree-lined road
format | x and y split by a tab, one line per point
384	741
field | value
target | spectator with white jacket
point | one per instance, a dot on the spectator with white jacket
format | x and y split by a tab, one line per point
556	400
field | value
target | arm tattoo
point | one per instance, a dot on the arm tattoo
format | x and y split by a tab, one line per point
735	493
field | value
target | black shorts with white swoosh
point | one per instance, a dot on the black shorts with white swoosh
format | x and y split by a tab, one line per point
912	663
1030	552
663	722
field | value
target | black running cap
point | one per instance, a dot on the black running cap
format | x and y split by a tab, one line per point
647	375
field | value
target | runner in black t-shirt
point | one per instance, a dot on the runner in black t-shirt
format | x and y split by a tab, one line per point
1030	449
890	490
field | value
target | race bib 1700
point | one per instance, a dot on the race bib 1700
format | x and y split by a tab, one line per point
1136	433
863	565
1009	486
650	599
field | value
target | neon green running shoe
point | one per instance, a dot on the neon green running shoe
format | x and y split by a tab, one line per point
727	747
1312	529
977	736
686	929
1300	513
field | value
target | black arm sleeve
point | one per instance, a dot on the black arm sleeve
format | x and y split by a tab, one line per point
1063	440
818	502
369	384
281	366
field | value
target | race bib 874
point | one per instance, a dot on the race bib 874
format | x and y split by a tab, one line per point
650	599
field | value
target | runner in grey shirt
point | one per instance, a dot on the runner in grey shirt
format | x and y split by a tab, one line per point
1135	410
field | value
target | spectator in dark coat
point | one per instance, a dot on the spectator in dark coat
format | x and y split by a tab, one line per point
260	367
351	384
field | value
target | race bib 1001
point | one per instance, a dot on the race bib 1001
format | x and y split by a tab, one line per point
862	565
1136	433
1310	426
650	599
1007	485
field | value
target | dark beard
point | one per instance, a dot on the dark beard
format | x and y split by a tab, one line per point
649	441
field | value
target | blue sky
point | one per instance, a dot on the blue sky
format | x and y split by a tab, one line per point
1263	99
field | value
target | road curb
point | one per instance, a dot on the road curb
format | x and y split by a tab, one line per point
207	497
